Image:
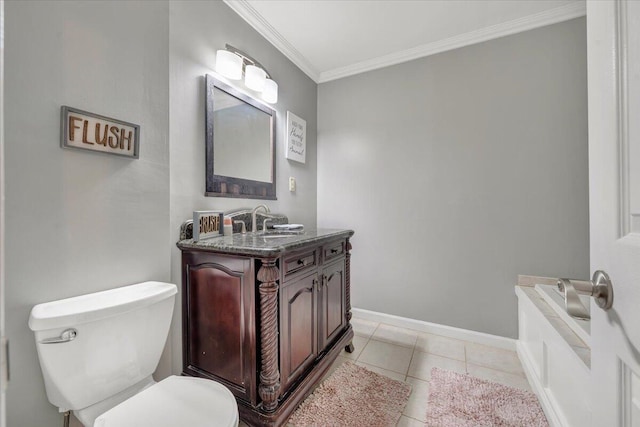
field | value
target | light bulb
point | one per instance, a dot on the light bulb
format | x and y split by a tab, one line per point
229	64
270	93
254	78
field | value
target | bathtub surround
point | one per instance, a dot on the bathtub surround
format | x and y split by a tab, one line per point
579	344
556	360
545	295
581	326
481	154
524	280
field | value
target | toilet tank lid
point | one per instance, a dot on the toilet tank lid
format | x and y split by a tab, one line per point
98	305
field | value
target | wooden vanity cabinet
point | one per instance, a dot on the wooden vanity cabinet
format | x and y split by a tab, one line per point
268	329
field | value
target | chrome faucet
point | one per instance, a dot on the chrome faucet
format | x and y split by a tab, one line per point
243	226
600	288
571	290
254	221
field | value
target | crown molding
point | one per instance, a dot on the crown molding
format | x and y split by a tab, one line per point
266	30
548	17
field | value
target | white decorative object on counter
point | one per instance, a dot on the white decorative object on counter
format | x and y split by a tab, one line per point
288	226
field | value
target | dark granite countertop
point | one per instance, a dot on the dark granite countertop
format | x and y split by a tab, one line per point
260	246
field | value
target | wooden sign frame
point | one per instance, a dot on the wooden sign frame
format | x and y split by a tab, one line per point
82	130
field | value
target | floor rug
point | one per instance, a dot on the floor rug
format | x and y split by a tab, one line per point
353	396
459	400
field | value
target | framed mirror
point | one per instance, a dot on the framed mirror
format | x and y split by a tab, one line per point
240	146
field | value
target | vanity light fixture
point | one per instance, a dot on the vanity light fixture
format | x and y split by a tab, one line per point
231	63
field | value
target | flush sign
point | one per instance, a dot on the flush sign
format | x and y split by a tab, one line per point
89	131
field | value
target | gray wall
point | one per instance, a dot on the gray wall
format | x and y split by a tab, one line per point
198	29
458	172
79	222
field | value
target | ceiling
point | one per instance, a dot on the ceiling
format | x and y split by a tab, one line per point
331	39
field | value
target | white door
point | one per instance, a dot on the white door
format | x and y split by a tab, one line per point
613	40
3	347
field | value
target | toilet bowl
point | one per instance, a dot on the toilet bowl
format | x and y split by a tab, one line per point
97	353
175	401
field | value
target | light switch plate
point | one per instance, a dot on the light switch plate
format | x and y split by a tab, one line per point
292	184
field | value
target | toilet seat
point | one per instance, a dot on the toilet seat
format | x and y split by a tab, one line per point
175	401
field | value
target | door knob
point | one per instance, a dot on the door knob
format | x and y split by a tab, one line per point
602	289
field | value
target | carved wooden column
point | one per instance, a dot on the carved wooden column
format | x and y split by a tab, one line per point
347	290
269	374
347	281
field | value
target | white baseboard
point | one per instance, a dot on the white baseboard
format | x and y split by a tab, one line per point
436	329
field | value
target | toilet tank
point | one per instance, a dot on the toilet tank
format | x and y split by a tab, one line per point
120	335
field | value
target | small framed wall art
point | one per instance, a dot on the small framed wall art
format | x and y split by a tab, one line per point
296	139
207	224
88	131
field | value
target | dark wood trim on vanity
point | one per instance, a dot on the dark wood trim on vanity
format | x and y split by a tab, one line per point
347	290
268	276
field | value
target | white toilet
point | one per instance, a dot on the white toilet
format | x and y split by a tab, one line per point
98	351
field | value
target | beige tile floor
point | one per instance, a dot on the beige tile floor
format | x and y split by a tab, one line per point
409	355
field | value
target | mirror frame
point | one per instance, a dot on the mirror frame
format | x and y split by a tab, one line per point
225	186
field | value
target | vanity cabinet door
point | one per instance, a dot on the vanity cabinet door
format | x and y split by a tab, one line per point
331	312
218	321
298	328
